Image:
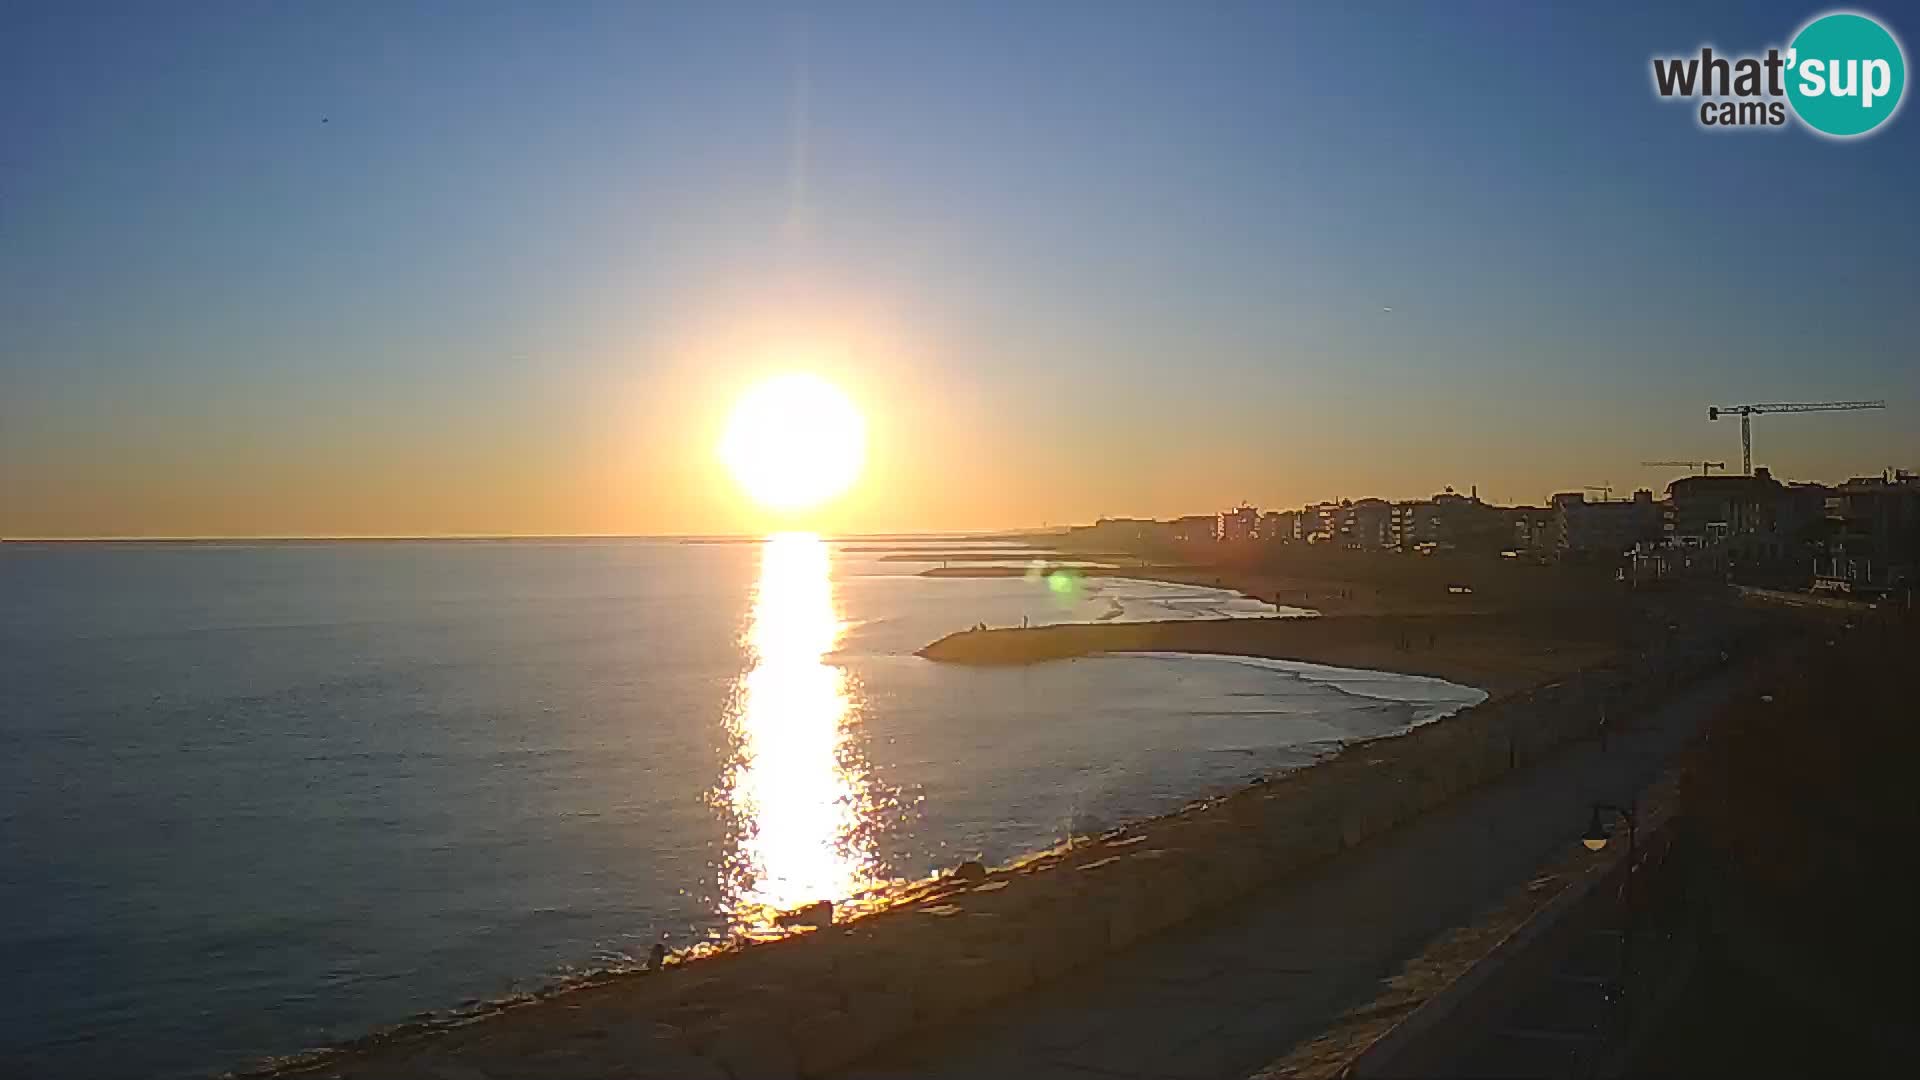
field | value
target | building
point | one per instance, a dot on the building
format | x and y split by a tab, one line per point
1873	542
1277	526
1194	529
1121	534
1449	521
1605	528
1464	523
1535	531
1240	525
1758	525
1712	508
1412	526
1317	524
1366	525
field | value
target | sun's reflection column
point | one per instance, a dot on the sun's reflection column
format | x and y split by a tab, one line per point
796	791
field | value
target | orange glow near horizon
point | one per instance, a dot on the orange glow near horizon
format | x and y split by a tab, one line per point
796	791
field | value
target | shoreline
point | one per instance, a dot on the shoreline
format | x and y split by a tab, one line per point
1351	643
1502	655
882	899
1443	699
814	1002
1495	653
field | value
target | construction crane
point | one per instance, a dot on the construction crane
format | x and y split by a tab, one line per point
1705	467
1746	412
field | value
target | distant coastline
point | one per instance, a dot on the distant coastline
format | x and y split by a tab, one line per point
1504	633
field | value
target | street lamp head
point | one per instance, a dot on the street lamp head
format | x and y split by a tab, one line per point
1596	837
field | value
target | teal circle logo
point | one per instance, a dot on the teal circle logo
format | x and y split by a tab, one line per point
1845	74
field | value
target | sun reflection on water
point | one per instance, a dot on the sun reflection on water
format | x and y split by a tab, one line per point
802	809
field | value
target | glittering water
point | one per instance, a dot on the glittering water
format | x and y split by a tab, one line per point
801	804
255	798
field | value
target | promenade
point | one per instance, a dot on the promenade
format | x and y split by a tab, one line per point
1225	994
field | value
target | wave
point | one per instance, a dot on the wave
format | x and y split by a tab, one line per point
1431	698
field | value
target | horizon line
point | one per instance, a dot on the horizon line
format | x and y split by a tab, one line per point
497	537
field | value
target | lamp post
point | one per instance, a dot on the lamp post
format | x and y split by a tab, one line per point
1596	840
1596	837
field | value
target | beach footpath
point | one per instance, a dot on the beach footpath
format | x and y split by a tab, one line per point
1283	900
1237	990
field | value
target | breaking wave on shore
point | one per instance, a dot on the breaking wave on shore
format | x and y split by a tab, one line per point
1431	698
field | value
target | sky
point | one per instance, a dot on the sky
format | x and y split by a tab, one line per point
474	268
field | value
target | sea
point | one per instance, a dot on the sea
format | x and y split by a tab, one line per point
258	797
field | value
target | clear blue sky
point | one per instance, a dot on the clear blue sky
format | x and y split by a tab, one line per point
386	267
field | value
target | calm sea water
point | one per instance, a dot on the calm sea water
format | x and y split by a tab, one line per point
258	798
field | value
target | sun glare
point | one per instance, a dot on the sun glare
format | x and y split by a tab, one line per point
802	809
794	442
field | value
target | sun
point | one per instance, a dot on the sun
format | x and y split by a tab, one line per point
794	442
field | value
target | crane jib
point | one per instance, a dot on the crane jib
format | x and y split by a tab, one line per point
1746	412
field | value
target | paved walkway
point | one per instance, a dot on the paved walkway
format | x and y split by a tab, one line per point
1561	1025
1224	995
